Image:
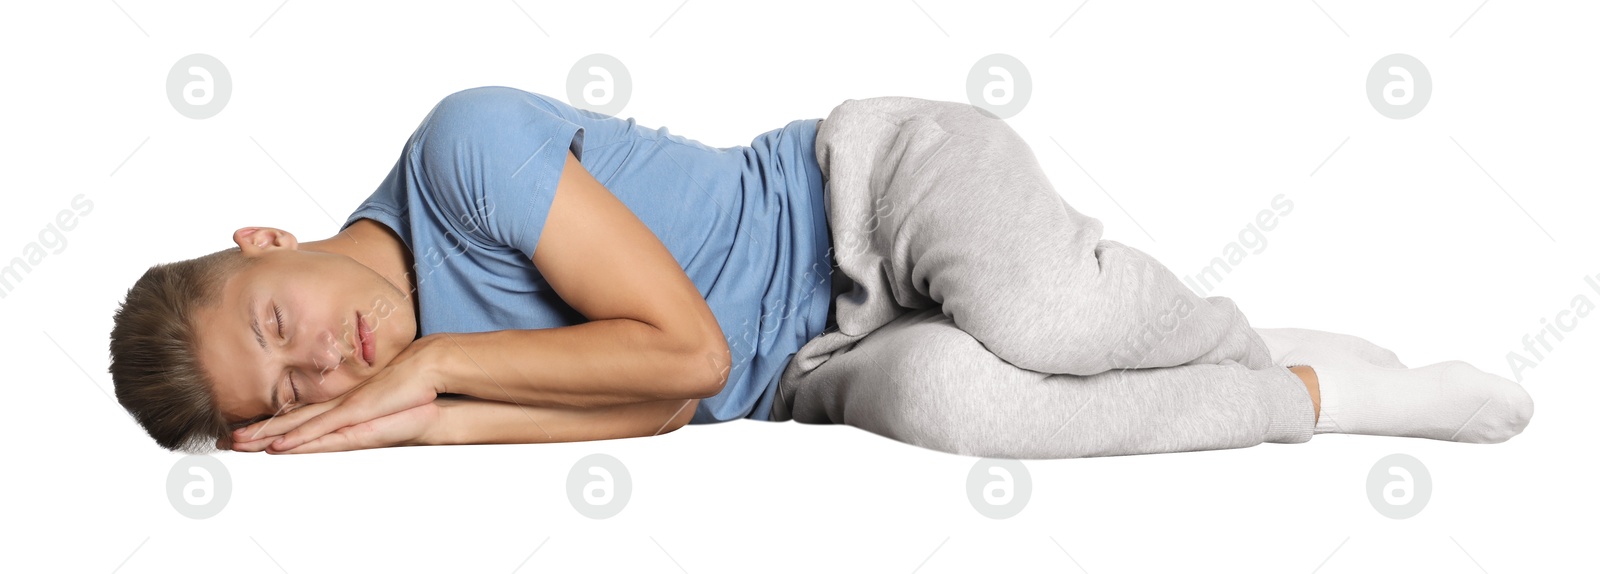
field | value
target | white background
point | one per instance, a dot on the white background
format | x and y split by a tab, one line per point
1191	116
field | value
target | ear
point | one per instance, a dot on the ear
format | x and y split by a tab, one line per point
254	241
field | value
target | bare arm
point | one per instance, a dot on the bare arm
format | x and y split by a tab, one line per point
475	421
608	362
650	334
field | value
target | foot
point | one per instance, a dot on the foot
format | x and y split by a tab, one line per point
1451	401
1283	341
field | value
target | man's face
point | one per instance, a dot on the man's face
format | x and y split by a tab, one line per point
295	323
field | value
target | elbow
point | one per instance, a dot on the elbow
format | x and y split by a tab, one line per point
706	371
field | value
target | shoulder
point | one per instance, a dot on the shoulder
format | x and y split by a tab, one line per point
485	110
489	160
491	132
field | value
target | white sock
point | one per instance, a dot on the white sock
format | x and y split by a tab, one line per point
1283	341
1444	401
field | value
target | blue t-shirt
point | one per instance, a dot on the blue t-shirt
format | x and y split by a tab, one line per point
473	186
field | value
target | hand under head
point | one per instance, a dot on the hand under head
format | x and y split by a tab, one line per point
248	333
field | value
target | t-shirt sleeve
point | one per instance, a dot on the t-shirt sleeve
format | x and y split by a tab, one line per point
491	158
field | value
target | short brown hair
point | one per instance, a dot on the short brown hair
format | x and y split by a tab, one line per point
154	364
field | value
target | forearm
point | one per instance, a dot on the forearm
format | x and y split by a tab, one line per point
467	420
596	364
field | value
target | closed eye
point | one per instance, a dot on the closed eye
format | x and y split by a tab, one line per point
277	313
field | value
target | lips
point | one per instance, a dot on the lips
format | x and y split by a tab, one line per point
369	347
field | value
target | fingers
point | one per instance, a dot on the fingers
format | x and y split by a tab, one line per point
396	429
338	441
257	445
383	432
361	407
370	402
346	414
284	422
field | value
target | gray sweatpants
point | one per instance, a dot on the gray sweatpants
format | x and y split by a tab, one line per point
979	314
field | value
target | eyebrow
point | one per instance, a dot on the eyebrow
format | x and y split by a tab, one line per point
255	327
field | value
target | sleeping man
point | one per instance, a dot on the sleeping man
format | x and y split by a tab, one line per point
532	272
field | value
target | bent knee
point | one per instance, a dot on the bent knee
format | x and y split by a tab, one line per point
927	387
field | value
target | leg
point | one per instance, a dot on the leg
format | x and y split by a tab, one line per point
934	205
1309	377
1451	400
937	204
923	381
1361	388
